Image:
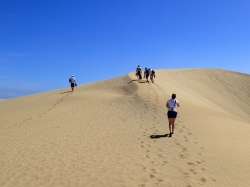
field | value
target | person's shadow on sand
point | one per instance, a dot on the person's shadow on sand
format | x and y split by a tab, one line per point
132	81
65	92
160	136
141	81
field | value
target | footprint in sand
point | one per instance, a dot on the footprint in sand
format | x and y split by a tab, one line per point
203	180
192	171
152	176
160	180
153	171
190	163
182	156
184	149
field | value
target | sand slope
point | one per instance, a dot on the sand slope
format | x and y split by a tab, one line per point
100	134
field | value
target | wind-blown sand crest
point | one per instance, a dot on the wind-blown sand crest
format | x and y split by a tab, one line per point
100	134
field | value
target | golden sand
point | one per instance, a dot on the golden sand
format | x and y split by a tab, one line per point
99	135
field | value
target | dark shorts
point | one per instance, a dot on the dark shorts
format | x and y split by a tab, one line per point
172	114
147	75
72	85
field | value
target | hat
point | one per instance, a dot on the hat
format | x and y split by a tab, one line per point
72	75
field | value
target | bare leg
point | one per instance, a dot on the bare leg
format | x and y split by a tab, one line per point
151	78
172	123
169	124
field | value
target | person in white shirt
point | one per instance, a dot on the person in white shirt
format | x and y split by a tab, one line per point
152	74
72	82
172	112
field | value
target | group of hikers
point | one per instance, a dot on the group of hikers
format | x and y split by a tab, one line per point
148	72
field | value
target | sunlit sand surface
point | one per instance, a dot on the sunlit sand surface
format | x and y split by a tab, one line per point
99	135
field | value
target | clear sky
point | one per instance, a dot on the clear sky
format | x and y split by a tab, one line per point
44	42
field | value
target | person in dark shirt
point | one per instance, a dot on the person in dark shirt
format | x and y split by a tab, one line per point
146	74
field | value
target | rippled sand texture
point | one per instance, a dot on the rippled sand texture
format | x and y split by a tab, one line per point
99	135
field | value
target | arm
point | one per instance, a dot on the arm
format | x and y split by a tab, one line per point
167	104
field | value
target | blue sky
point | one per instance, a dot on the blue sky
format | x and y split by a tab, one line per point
42	43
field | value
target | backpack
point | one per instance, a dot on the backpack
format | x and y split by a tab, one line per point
153	72
70	80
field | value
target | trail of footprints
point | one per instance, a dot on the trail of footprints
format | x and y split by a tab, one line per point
38	115
183	134
152	98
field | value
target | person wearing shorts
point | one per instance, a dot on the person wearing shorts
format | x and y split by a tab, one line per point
172	112
72	82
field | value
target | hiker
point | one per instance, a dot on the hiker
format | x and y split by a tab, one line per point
146	74
172	112
152	74
138	73
72	81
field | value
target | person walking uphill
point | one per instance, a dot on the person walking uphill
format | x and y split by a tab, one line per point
138	72
72	81
146	74
172	112
152	74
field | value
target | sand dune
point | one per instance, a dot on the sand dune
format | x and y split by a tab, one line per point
100	134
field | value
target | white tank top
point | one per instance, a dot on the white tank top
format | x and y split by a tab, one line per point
172	104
